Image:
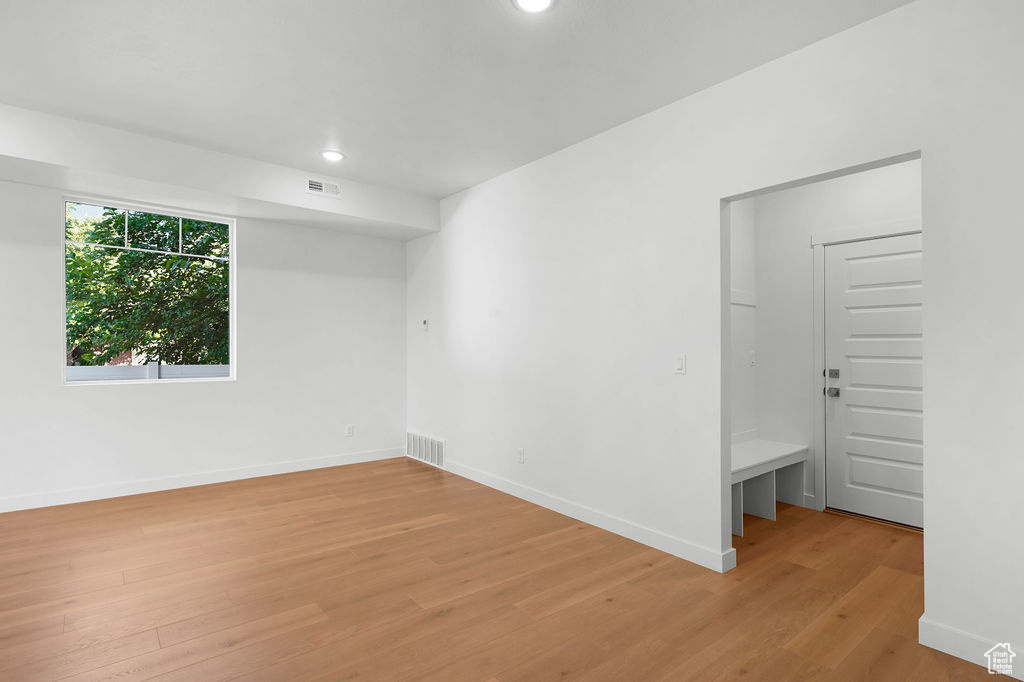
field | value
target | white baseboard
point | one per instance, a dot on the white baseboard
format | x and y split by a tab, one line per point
698	554
69	496
956	642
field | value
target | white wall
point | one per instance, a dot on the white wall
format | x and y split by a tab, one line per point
95	160
744	313
321	321
785	221
560	294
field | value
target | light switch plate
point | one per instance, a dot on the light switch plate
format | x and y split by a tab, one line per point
681	364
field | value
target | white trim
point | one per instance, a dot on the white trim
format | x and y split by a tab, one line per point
857	233
149	372
62	341
816	476
231	260
815	465
100	492
160	209
830	175
233	298
955	642
725	509
698	554
156	251
741	297
142	382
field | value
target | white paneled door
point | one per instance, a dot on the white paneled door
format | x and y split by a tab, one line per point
873	407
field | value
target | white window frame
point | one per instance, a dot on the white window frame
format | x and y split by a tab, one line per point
173	212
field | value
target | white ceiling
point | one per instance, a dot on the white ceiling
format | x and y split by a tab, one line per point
429	96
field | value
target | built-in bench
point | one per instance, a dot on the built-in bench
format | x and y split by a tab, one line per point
764	471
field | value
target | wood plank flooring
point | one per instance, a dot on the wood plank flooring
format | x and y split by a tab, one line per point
394	570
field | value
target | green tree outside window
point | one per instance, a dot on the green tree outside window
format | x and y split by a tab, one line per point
168	303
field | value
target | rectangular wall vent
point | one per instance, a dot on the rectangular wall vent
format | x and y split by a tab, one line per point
321	187
425	449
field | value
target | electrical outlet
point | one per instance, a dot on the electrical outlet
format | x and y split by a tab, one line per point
350	429
752	358
521	452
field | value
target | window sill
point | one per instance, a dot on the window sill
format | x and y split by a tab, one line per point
131	382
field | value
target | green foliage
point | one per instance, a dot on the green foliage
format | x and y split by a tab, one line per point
170	308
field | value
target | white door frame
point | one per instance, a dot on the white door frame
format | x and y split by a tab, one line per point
725	394
819	240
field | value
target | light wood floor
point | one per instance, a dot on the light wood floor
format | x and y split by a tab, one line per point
396	571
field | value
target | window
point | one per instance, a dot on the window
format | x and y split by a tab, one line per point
147	295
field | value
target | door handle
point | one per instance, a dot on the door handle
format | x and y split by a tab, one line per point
832	392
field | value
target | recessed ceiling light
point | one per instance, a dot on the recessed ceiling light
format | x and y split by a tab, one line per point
533	6
332	155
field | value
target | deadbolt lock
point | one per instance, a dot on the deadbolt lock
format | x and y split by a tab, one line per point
833	374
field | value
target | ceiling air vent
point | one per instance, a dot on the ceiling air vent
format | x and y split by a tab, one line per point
329	189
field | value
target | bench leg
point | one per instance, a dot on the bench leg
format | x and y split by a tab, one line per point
759	495
789	484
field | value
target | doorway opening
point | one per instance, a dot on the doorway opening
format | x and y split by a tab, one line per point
822	345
